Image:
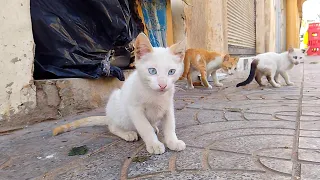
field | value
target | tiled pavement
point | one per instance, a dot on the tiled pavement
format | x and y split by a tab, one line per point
231	133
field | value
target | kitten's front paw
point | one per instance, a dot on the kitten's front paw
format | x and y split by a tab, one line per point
209	87
277	85
177	145
190	87
155	148
131	136
218	84
290	84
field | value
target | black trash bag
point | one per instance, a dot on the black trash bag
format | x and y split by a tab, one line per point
74	38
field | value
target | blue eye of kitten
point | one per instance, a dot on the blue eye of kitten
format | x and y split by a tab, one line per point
171	72
295	57
152	71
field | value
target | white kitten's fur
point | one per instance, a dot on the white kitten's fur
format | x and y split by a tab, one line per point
141	103
272	65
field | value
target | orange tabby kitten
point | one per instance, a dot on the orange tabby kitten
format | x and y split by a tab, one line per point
207	63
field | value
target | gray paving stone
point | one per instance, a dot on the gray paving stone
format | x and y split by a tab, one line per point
207	116
310	133
310	172
226	161
250	176
187	175
280	166
284	152
310	125
310	155
233	116
191	158
310	143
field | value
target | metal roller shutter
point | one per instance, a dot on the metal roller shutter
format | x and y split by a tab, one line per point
241	16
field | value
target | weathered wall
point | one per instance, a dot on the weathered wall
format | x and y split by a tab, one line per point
206	24
260	27
178	16
266	26
270	22
283	26
24	101
16	61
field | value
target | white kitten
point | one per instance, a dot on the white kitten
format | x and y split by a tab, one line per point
272	65
145	99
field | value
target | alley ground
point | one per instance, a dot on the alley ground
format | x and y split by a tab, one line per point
231	133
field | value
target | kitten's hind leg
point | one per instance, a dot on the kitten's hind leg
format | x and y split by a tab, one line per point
286	78
276	78
258	78
198	83
204	79
124	134
189	81
270	78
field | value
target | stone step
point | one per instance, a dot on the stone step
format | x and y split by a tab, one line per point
58	98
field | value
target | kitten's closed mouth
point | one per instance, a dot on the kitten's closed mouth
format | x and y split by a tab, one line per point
162	90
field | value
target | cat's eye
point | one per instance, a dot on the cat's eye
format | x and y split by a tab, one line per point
295	57
152	71
171	72
300	58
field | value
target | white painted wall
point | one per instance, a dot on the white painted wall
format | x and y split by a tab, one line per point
16	58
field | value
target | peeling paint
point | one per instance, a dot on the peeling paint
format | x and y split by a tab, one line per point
14	60
9	85
9	92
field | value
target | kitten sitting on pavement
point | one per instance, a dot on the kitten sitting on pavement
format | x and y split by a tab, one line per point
145	98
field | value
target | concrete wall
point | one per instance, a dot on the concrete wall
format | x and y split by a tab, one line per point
178	22
206	24
266	26
17	53
283	26
24	101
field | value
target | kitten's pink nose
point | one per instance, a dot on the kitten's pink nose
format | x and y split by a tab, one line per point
162	86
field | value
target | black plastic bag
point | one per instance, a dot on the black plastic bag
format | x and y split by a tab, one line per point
74	37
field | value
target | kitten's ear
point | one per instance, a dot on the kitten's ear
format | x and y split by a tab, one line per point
226	57
179	49
305	50
142	46
290	50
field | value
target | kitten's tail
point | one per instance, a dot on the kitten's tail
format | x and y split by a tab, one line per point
254	65
187	64
84	122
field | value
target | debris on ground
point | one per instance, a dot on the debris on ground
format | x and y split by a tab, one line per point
140	159
234	109
81	150
314	62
